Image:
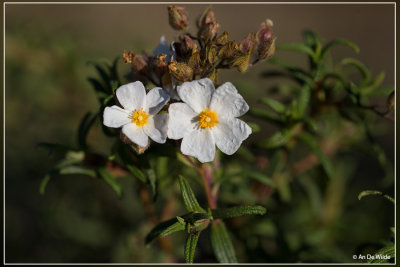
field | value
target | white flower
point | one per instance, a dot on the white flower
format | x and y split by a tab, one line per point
208	118
138	117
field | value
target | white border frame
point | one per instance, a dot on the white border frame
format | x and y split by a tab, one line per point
189	3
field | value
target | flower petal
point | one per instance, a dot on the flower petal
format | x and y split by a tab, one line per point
199	143
227	102
181	120
197	94
135	134
156	127
229	134
115	117
155	100
131	96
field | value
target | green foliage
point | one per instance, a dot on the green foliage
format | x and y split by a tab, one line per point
238	211
222	244
188	197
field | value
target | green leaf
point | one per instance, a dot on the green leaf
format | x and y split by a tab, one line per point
388	251
237	211
160	228
110	180
137	172
275	105
84	128
366	74
375	83
312	143
265	114
255	128
176	227
297	47
259	177
278	139
78	170
188	196
221	243
374	192
190	247
151	174
298	73
333	43
301	104
44	183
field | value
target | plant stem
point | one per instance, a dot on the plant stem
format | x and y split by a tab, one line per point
207	177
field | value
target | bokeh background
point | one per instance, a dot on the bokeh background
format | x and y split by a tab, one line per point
79	219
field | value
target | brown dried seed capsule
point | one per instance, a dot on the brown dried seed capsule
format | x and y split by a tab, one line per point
177	17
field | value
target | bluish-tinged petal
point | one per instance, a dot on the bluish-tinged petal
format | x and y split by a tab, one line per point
227	102
131	96
197	94
115	117
229	134
156	127
155	100
181	119
200	144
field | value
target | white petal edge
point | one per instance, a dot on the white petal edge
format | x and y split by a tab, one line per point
181	120
156	98
199	144
132	95
156	127
227	102
229	134
135	134
197	94
115	117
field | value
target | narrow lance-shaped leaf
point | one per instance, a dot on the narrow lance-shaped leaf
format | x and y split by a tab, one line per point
360	66
190	247
137	172
78	170
278	139
333	43
188	196
273	104
221	243
110	180
238	211
297	47
374	192
326	165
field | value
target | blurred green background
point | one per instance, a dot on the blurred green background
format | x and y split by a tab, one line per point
79	219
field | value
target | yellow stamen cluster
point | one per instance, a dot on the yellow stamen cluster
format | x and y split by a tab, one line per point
140	117
208	119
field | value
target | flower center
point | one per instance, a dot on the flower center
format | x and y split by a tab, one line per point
208	119
139	117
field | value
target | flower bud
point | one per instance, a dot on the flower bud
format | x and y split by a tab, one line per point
266	49
188	44
180	71
211	53
128	56
241	62
177	17
209	31
265	31
214	76
248	44
228	50
195	62
207	17
223	39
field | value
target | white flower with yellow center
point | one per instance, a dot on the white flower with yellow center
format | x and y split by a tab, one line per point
138	117
208	118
